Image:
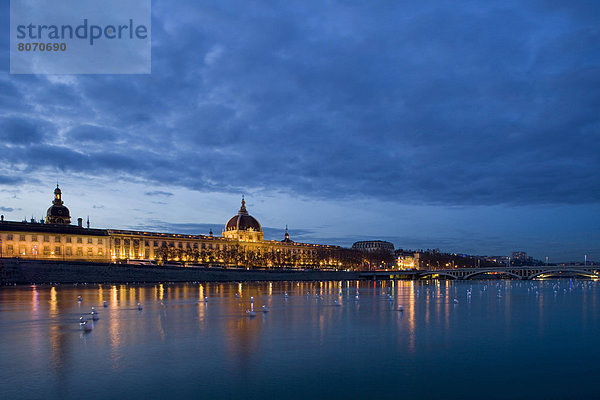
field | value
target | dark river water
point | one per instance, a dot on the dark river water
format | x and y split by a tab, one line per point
468	339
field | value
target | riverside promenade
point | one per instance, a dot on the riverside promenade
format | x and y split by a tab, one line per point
15	271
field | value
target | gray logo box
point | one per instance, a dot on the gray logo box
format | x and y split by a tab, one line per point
80	37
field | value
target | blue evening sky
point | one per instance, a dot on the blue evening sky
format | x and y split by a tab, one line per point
470	126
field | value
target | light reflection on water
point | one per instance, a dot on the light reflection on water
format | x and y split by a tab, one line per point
499	339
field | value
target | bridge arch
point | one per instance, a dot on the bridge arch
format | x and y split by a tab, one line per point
425	274
562	273
495	272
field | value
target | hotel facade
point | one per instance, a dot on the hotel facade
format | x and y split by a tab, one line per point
241	245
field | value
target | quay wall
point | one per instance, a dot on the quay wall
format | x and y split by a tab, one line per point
30	271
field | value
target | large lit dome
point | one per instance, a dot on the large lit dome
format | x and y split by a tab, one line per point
243	221
243	226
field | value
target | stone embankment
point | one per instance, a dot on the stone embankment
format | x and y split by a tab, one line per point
28	271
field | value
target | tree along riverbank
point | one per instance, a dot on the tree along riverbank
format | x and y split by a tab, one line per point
32	271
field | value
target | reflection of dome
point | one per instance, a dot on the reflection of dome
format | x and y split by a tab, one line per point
58	213
243	221
243	226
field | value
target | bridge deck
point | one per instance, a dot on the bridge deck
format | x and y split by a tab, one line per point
527	272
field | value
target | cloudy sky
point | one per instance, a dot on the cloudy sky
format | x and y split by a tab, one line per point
467	126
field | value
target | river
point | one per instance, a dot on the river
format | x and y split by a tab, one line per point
350	340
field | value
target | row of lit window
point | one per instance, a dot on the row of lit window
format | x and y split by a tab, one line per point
57	239
187	245
156	243
126	250
46	250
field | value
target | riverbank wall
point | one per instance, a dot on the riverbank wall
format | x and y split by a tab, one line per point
15	271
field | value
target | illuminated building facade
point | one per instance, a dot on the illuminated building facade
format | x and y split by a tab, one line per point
407	259
242	244
33	240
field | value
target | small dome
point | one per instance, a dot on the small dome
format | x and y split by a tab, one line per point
243	221
58	211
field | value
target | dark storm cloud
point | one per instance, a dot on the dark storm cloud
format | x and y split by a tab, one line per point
8	93
426	102
9	180
21	131
159	193
90	134
40	155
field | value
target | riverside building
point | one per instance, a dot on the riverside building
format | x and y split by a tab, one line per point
242	244
373	246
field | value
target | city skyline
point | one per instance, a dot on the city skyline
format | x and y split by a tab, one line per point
271	233
472	129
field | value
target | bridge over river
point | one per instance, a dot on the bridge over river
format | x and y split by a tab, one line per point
526	272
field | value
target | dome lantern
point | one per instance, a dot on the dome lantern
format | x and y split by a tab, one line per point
57	196
243	207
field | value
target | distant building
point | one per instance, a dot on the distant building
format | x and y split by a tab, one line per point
374	246
375	254
502	260
520	258
434	259
407	259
